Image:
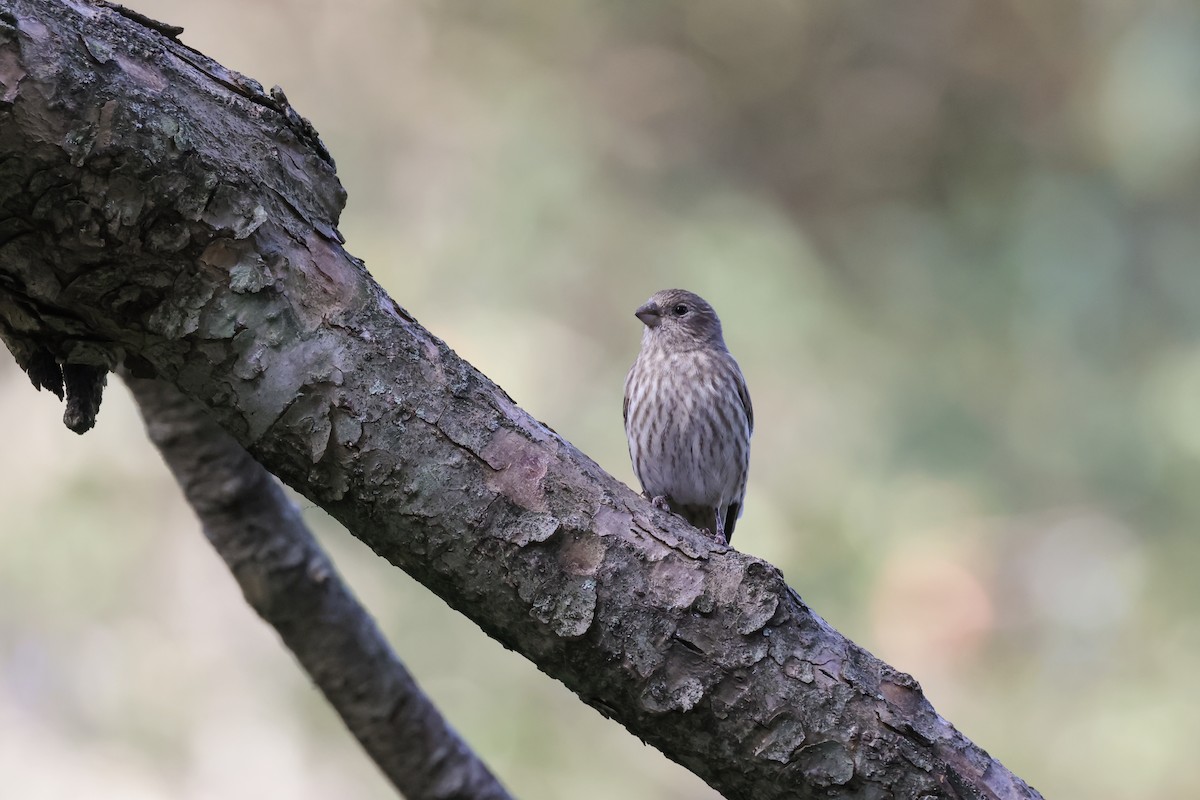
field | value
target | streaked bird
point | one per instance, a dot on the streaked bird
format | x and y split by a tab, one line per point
688	417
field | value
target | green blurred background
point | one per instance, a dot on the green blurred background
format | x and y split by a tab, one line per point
955	249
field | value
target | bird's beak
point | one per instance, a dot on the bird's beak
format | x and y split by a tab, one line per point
650	314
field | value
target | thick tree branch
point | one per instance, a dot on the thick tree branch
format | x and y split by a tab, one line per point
287	578
157	209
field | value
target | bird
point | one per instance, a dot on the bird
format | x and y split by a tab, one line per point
688	416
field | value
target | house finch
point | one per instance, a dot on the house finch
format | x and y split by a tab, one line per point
688	416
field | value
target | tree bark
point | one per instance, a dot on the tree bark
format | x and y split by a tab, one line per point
161	211
287	578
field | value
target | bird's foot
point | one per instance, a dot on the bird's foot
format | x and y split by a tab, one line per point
659	501
718	537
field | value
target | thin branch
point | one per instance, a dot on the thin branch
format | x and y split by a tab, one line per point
287	578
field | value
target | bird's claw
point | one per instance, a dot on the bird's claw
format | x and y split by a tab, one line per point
719	538
660	502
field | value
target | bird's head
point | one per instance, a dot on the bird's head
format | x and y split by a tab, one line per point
679	319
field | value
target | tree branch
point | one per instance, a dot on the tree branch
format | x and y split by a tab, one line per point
287	578
162	211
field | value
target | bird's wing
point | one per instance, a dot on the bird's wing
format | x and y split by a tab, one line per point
625	404
744	395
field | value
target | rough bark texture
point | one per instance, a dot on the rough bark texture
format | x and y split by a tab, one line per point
287	578
159	209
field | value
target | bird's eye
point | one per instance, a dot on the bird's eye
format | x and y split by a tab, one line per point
679	310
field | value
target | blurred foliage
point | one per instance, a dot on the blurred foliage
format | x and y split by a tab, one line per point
954	246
